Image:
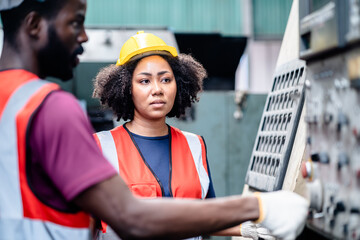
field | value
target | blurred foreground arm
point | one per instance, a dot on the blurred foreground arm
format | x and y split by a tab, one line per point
134	218
162	218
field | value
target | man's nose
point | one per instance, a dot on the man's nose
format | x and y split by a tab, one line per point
83	36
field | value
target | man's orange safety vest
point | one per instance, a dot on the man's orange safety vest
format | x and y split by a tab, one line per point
22	214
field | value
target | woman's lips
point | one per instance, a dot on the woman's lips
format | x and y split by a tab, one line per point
157	103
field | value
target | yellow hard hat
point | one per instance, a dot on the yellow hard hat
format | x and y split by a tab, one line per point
143	44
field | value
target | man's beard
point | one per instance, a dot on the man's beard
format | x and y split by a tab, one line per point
55	60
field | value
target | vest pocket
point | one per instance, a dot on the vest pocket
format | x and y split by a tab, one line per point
146	190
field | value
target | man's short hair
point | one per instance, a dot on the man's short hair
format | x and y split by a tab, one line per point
11	19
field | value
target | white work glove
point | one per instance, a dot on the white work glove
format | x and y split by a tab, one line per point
250	230
264	233
283	213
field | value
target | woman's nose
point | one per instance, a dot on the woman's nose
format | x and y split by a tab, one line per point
156	88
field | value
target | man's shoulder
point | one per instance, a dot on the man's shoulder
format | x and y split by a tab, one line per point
61	108
61	100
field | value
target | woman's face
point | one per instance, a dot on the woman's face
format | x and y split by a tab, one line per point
153	88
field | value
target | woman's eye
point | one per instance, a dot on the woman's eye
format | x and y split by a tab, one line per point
144	81
166	80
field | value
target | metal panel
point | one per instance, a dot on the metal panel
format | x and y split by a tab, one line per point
272	149
222	16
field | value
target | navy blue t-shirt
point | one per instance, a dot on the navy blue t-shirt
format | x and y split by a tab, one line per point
156	152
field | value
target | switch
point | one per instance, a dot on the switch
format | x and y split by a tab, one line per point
356	133
321	157
340	207
343	160
342	121
328	117
308	140
315	192
332	223
332	199
345	229
355	210
307	169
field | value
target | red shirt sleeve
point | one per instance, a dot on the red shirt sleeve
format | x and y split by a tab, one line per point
64	150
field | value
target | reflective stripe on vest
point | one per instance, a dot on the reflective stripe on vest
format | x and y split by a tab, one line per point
22	215
188	164
30	229
197	150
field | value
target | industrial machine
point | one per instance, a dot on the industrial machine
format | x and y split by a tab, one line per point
321	91
330	45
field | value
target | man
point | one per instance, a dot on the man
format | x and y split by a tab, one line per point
51	170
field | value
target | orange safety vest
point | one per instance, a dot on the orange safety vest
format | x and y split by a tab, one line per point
188	167
22	214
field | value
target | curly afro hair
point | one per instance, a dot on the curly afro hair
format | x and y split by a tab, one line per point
112	85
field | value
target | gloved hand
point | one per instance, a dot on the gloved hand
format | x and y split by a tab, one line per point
250	230
264	233
283	213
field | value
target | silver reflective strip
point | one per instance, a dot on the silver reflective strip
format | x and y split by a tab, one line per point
195	148
10	196
108	148
27	229
109	235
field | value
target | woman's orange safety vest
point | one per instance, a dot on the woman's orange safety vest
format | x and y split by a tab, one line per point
188	168
189	176
22	214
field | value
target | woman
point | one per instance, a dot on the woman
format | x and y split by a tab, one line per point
149	83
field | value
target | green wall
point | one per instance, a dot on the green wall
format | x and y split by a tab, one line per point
270	18
207	16
194	16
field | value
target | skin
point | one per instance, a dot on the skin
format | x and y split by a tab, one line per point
153	93
33	38
111	200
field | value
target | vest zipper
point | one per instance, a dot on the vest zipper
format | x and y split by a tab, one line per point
142	157
170	162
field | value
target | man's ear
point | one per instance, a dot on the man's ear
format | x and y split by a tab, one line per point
33	24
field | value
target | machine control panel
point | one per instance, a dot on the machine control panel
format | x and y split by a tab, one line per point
273	144
333	143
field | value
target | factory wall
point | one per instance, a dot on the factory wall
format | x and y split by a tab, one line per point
227	17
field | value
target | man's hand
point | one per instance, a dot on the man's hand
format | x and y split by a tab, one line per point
283	213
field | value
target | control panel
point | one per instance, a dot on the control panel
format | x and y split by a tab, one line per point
276	133
330	44
333	144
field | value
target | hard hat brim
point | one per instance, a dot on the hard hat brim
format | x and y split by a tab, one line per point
144	52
